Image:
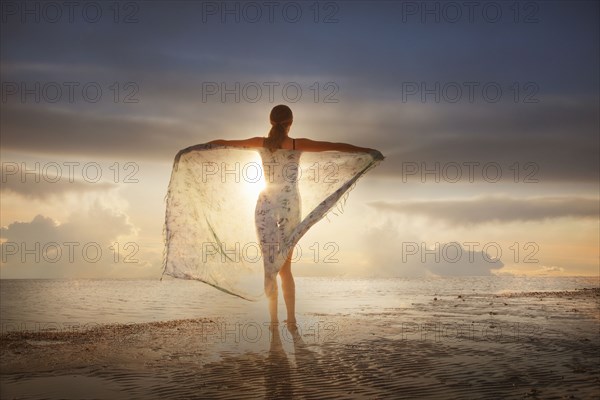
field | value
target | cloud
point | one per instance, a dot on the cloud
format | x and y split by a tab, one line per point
44	183
553	268
555	140
404	255
452	259
90	243
382	244
182	39
558	136
169	55
495	209
62	131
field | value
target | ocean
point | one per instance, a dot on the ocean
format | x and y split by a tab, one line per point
59	304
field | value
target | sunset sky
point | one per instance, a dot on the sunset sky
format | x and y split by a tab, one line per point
488	116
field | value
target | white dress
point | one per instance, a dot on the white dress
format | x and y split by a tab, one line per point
278	208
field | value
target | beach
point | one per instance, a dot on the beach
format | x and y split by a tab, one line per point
418	179
534	344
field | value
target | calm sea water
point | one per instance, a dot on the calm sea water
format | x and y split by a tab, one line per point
27	304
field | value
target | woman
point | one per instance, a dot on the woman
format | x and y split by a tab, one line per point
278	207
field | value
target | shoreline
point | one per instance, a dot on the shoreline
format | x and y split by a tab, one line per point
387	354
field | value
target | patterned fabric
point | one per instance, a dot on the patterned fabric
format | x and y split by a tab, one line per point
233	215
278	208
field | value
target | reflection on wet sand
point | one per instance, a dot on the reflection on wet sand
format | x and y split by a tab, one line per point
278	382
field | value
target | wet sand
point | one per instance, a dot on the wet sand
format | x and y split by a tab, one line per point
522	345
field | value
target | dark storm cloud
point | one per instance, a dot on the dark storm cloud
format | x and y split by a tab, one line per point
557	138
370	43
496	209
58	131
371	53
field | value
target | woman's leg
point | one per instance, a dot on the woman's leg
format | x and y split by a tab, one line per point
266	230
289	289
272	293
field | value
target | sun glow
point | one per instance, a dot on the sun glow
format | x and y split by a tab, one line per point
253	189
253	177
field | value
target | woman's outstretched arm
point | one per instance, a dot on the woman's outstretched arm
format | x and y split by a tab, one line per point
246	143
315	145
249	143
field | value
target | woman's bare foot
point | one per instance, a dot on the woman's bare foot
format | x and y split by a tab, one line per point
291	325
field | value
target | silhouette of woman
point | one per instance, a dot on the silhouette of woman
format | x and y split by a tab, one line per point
277	215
